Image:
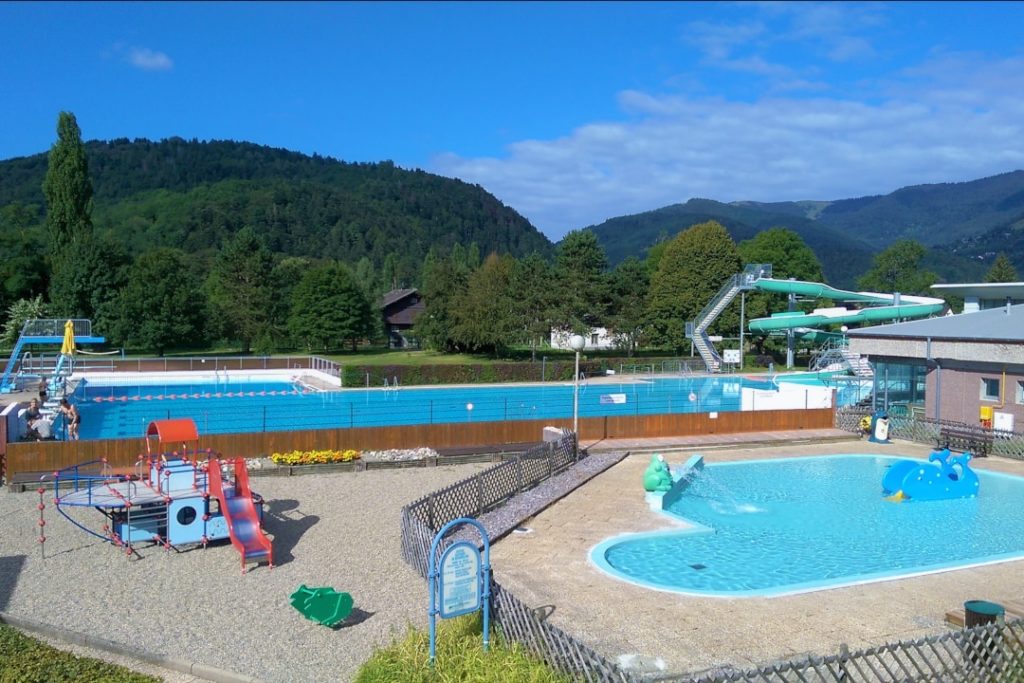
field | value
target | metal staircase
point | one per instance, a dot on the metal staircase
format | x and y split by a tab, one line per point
836	355
697	330
45	332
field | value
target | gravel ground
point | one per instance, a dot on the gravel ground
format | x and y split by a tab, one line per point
339	530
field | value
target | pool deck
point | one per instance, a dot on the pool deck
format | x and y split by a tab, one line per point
549	568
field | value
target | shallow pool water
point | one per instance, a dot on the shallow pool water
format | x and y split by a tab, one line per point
773	527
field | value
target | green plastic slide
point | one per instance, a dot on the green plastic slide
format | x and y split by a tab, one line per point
325	606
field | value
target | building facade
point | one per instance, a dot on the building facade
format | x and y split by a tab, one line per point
965	368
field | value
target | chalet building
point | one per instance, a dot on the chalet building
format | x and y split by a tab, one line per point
400	308
965	368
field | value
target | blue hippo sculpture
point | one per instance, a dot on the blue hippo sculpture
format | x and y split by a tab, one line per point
943	476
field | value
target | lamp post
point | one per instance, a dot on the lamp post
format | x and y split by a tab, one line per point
576	342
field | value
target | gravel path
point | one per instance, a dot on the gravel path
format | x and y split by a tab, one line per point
339	530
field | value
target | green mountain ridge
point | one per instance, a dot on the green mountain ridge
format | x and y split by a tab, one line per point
964	225
192	195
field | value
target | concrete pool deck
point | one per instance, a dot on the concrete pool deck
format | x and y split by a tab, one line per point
550	568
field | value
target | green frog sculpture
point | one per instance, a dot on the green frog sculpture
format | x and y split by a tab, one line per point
657	476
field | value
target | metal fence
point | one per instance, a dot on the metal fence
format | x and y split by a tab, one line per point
991	653
481	493
676	366
487	491
927	430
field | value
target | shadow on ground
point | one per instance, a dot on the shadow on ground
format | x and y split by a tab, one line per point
10	569
287	523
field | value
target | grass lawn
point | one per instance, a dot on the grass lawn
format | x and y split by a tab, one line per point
26	660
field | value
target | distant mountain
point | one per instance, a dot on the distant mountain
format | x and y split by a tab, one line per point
964	224
931	214
843	258
192	194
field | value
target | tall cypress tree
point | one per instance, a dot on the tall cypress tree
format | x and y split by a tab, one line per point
67	187
73	253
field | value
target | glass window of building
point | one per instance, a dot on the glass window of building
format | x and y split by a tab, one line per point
989	389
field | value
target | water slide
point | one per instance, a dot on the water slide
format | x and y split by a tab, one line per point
240	513
881	307
758	276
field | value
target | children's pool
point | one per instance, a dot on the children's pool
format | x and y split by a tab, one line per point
118	408
777	527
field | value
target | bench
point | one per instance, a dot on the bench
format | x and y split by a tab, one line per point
966	439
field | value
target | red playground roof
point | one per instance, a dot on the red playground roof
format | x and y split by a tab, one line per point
167	431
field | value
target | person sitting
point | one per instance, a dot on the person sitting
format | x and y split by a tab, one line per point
32	412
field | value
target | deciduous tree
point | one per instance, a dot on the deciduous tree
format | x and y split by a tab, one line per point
898	269
67	187
693	268
486	316
329	309
161	309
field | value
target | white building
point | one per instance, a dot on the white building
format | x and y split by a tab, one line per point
599	338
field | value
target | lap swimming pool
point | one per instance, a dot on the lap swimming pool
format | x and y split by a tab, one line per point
116	407
779	527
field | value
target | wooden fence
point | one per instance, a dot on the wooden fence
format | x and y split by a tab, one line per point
47	456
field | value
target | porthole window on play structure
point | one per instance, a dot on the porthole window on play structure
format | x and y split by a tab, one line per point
186	515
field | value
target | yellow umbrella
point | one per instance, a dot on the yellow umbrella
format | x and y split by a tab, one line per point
68	347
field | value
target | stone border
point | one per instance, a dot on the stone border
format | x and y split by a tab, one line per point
203	671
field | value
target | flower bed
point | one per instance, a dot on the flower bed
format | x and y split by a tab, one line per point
314	457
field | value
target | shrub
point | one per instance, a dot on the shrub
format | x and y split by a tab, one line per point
314	457
460	657
27	660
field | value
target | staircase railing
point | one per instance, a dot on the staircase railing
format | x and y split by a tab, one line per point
697	329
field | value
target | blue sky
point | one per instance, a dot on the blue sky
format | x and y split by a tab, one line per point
571	113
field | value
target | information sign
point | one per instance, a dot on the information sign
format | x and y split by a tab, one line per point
459	580
608	399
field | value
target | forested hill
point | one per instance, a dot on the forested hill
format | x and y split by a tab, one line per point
964	225
843	258
191	194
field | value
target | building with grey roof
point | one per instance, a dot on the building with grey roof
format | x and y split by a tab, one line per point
967	367
979	296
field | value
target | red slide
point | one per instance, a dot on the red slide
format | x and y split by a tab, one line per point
240	514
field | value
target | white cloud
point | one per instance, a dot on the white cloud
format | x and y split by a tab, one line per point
953	118
148	60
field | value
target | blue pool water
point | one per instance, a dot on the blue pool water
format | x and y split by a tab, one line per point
775	527
119	411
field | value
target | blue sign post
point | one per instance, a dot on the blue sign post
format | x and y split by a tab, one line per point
459	583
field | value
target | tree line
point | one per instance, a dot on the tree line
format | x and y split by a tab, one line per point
246	292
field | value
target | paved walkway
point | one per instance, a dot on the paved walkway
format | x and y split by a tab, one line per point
551	567
670	444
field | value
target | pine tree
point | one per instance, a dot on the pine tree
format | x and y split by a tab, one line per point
240	287
1002	270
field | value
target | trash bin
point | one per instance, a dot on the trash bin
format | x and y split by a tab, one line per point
983	649
978	612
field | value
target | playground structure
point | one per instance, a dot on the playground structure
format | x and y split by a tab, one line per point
175	498
878	307
944	476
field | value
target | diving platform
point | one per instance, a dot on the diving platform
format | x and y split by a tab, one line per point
42	332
